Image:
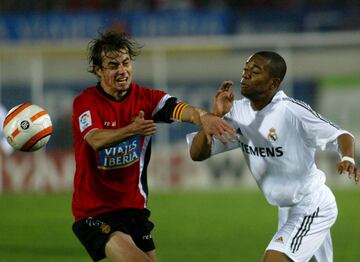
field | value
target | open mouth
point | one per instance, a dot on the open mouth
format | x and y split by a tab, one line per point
121	80
243	85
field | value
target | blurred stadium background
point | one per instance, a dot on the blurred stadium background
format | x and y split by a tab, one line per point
190	47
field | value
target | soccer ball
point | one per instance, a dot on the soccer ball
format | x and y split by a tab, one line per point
27	127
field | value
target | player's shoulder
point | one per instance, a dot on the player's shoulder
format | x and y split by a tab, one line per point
89	91
295	104
86	95
237	108
294	107
139	88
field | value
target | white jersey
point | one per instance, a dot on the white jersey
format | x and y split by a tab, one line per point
279	144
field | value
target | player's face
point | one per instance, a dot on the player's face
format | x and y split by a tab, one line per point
116	73
256	81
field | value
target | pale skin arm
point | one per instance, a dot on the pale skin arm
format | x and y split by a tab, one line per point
102	138
223	100
347	148
213	125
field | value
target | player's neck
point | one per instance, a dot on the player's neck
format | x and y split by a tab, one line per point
260	103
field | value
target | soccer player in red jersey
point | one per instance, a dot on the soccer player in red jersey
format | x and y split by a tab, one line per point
112	127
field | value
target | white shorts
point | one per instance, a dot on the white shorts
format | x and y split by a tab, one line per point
304	229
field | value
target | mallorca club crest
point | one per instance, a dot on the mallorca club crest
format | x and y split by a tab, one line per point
272	136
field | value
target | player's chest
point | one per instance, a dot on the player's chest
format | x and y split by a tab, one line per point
265	128
118	115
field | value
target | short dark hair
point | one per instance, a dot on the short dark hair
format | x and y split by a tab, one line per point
277	63
110	41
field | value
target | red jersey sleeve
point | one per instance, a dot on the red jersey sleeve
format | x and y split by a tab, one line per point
85	115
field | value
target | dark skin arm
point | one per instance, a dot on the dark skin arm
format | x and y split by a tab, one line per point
201	145
347	148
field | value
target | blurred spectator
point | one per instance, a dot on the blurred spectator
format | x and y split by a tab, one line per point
152	5
5	148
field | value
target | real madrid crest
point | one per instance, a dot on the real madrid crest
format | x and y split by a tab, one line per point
272	136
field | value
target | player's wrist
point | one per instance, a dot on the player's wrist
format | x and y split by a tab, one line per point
202	112
348	158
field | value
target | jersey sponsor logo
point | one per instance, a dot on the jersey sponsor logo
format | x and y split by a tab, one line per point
121	155
85	120
272	136
262	151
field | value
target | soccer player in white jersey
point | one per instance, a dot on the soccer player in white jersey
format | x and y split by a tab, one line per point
278	136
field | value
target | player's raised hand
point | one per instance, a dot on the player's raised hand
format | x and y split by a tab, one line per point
215	126
348	167
142	126
223	99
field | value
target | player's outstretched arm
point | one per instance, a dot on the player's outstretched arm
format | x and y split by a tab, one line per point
200	149
222	102
211	124
347	165
102	138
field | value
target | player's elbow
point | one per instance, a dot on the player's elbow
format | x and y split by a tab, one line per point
198	156
94	143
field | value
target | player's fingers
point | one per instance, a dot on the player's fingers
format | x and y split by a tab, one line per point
342	168
351	169
141	114
218	133
357	176
226	134
232	97
148	123
208	138
226	127
344	165
222	140
149	130
226	85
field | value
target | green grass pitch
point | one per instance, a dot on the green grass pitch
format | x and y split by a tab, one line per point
190	226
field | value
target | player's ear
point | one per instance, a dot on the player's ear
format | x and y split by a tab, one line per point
97	70
275	83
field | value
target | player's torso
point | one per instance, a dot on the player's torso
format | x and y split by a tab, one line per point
114	115
115	174
274	150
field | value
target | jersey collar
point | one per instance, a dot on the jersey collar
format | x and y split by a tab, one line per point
101	89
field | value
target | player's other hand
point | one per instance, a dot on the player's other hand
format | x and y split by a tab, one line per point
213	125
223	99
348	168
142	126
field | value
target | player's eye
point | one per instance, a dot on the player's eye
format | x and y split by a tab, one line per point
126	62
113	66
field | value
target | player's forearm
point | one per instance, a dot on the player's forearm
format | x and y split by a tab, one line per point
192	115
200	149
346	145
102	138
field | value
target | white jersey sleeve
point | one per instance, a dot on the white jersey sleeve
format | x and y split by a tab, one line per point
316	131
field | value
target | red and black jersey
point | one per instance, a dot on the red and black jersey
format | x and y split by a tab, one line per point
113	178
